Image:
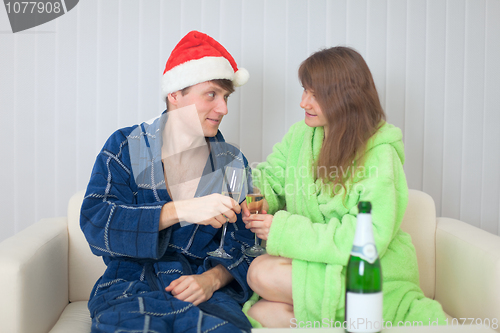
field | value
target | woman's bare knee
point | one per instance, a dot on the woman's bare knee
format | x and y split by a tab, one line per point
255	272
271	278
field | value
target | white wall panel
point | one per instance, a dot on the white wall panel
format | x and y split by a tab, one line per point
472	137
490	164
66	55
415	92
434	99
274	65
24	130
129	61
376	45
356	27
252	99
396	63
316	25
454	108
43	162
336	23
67	85
87	143
296	34
230	34
8	89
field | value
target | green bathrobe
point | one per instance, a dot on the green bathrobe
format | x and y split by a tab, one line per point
316	228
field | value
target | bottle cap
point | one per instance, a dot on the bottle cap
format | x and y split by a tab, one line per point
365	207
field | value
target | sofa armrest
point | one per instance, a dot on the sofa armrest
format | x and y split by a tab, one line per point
467	270
34	277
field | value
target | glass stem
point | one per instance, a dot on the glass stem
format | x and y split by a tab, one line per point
224	229
256	240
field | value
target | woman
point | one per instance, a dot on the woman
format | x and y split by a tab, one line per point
342	153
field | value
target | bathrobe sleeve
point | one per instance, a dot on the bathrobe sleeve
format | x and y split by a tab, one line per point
113	221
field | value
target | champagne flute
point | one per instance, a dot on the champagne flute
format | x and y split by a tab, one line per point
255	203
233	183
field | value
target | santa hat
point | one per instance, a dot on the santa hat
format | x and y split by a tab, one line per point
198	58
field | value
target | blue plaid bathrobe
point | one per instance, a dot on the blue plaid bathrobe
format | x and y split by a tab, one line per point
120	219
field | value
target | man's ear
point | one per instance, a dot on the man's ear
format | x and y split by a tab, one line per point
172	98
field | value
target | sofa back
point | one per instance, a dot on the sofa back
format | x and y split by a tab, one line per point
419	221
84	267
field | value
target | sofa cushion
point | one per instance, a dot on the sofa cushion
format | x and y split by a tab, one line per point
75	319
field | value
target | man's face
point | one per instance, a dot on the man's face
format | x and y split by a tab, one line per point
210	101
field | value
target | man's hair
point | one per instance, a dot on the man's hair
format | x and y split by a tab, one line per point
223	83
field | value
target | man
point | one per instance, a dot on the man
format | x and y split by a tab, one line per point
153	208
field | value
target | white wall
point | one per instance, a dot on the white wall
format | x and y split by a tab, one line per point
67	85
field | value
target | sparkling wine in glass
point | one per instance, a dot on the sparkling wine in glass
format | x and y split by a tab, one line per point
233	184
255	202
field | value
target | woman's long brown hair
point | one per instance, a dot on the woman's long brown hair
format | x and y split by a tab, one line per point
344	89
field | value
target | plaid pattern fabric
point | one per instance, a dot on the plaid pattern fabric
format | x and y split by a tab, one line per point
120	220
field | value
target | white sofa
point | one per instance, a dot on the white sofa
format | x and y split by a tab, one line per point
47	270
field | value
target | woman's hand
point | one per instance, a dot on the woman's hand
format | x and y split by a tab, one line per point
245	212
260	224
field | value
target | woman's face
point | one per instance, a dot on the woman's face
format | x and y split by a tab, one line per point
314	115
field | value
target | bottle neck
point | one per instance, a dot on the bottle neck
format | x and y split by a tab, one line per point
364	230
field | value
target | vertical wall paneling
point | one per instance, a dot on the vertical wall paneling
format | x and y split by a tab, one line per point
396	62
210	17
87	89
108	69
336	22
24	137
490	184
149	56
129	62
66	107
434	100
316	25
169	35
252	92
415	92
473	111
230	37
454	105
191	15
275	59
43	162
356	26
376	45
296	36
66	85
8	89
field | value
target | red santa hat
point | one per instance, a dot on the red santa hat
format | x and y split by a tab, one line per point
198	58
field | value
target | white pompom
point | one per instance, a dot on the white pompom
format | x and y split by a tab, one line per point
241	77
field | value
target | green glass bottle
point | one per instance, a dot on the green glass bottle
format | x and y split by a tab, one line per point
363	298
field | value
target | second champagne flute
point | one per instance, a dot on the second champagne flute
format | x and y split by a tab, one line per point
255	203
233	184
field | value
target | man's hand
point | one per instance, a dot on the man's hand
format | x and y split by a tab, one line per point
214	209
197	289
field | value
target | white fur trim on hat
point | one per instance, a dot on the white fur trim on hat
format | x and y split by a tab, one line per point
196	71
